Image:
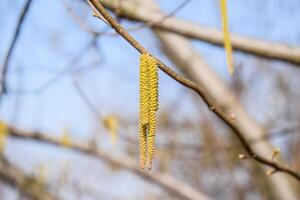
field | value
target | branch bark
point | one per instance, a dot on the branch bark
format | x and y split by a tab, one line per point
222	113
166	181
222	96
135	10
188	60
28	185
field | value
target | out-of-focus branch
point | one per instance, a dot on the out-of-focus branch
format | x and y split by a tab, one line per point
29	186
189	61
89	29
227	117
166	181
224	97
86	100
12	47
134	10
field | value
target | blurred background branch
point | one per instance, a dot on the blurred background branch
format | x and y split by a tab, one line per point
228	118
9	54
29	186
167	182
204	33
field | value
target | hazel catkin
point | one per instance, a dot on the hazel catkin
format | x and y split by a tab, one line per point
148	108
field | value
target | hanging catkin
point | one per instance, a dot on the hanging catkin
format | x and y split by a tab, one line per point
3	135
144	108
148	108
227	42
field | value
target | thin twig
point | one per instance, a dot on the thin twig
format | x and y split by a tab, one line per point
159	21
71	65
28	185
213	36
118	10
86	99
3	84
200	91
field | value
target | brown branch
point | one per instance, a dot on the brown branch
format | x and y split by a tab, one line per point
3	84
200	32
200	91
189	61
29	186
163	18
70	66
213	146
166	181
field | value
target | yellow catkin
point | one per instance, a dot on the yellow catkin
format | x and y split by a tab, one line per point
227	42
153	84
151	139
143	145
111	123
153	87
144	110
3	135
66	139
148	108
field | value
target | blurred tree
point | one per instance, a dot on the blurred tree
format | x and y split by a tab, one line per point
61	67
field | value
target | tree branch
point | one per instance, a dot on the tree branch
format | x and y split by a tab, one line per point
167	182
3	84
228	119
200	32
186	58
28	185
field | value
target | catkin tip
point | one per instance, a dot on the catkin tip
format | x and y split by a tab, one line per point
142	164
149	166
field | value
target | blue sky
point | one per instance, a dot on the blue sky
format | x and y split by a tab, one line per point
51	39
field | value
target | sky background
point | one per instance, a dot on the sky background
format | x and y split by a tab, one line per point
50	40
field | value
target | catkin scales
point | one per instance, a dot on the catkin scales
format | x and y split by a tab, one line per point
148	108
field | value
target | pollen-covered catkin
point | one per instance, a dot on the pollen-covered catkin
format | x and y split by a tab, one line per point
153	83
151	139
143	145
144	92
227	42
3	135
144	110
148	108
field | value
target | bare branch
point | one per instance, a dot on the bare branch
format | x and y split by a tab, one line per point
182	53
8	56
200	32
239	132
28	185
164	180
89	29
